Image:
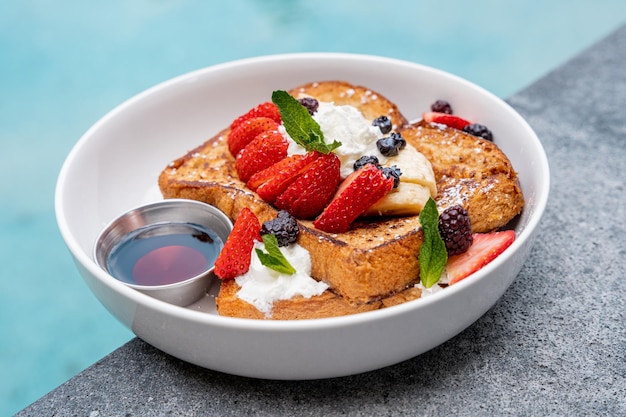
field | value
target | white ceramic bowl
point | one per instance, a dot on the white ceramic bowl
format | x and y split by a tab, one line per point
115	165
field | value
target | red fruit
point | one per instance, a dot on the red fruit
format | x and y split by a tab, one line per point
264	151
445	119
234	259
356	194
271	182
307	196
247	130
267	109
485	248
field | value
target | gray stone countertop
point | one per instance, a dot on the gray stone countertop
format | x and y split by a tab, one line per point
554	344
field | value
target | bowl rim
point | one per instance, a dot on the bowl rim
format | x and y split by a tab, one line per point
84	259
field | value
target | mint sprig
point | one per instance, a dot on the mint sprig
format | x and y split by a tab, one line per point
299	124
433	254
274	258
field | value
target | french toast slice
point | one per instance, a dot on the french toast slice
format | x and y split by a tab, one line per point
375	263
371	103
469	171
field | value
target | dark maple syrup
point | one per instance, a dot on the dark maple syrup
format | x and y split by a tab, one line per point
164	254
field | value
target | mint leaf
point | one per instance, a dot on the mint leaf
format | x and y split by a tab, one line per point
433	255
299	124
274	258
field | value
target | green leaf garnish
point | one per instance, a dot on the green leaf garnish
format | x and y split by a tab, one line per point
274	258
433	254
299	124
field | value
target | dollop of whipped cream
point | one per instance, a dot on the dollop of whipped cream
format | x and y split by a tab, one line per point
261	286
347	125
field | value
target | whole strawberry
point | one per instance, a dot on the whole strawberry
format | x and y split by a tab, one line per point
234	259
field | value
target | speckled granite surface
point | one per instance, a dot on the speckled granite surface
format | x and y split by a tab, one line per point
555	343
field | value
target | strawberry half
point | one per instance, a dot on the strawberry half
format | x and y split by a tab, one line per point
357	193
246	131
267	109
264	151
445	119
311	191
234	259
273	181
485	248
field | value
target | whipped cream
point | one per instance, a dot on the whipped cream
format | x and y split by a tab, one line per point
261	286
428	291
347	125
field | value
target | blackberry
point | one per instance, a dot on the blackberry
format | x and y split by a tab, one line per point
310	104
441	106
383	123
455	229
284	227
392	172
391	145
364	160
479	130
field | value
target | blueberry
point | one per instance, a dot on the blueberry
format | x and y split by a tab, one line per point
383	123
387	146
399	140
392	172
479	130
364	160
310	104
441	106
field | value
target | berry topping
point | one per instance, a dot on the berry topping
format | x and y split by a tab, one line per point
273	181
310	192
455	229
479	130
441	106
359	191
383	123
246	131
391	145
267	109
445	119
486	247
392	172
284	227
364	160
310	104
264	151
234	259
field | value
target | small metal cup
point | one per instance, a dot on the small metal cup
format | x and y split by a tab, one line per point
165	212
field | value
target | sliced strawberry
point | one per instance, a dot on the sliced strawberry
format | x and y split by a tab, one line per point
307	196
445	119
234	259
356	194
246	131
485	248
264	151
274	180
267	109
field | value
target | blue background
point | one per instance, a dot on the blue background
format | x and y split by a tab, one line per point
65	64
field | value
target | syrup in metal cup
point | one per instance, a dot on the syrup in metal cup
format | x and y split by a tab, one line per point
165	249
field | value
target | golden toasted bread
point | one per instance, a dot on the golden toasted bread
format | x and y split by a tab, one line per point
375	263
470	171
327	304
370	103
